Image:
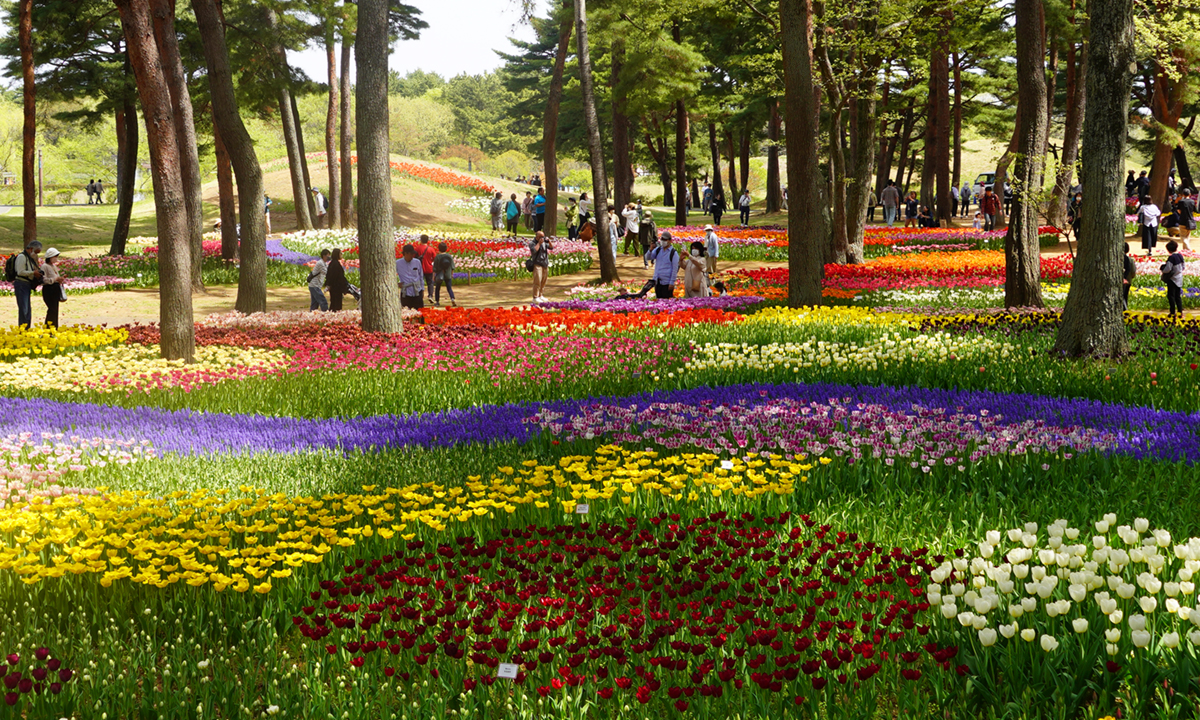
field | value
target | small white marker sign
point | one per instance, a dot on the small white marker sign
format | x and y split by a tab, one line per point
582	509
507	670
726	464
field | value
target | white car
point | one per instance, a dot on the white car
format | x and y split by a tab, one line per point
983	182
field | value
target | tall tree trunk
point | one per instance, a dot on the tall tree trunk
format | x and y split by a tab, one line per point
744	163
910	121
941	140
956	171
808	228
127	149
622	164
163	12
731	196
715	152
252	253
176	328
331	111
377	249
662	158
1073	127
862	168
29	129
1022	266
288	121
225	200
1093	321
930	151
774	185
837	185
695	191
550	123
308	196
1002	165
345	137
1185	171
1167	107
681	139
608	264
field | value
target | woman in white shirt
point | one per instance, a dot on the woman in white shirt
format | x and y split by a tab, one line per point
1148	217
52	290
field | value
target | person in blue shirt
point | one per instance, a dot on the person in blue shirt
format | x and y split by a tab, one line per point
539	211
666	266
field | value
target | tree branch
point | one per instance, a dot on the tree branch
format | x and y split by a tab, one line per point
761	14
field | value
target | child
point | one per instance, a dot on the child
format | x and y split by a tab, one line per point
1172	277
978	224
443	272
1148	215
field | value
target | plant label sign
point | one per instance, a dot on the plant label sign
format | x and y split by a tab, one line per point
507	670
582	509
726	464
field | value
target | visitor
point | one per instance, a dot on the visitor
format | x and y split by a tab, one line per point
717	208
630	214
646	288
539	264
1075	215
1169	220
964	200
1128	275
572	220
91	191
1147	216
890	198
1143	185
1130	185
335	280
647	233
527	210
1171	185
785	200
712	249
1172	277
585	210
614	230
744	207
443	272
28	276
911	210
925	218
718	289
496	211
1008	199
872	201
412	279
953	201
316	281
695	279
267	211
706	198
989	204
321	205
666	265
99	191
978	224
52	288
512	214
539	212
1186	208
425	254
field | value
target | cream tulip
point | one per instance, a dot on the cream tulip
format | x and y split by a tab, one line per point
1140	638
987	637
1029	634
1170	640
1049	643
1113	635
1079	625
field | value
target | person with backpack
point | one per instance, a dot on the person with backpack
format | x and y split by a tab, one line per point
716	207
744	207
1128	274
648	233
1147	216
527	210
989	205
1172	277
443	272
666	265
316	281
24	271
426	254
512	215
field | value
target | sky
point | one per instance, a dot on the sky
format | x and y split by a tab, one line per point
462	37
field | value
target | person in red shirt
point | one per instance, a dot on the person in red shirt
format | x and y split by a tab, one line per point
426	254
990	205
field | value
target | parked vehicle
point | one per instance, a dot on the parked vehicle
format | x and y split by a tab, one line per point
983	182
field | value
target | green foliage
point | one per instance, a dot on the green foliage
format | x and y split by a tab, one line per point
480	105
415	84
421	127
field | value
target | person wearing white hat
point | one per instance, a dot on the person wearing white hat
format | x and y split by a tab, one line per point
712	249
52	290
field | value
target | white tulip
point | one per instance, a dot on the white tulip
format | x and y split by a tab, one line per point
1185	612
1014	534
1185	575
1108	605
1186	587
1125	591
1080	625
1005	586
1162	538
949	611
1049	643
1029	604
1020	571
1116	617
1052	610
1137	622
1031	528
1101	527
993	537
1113	635
1172	605
957	589
1009	630
1140	638
1141	525
1110	518
934	598
1194	637
979	622
986	550
1148	604
1170	641
983	605
1071	533
1111	649
1029	540
1015	610
1046	557
939	575
1038	572
1153	585
970	597
987	637
1077	592
1171	588
1029	634
960	564
1055	530
947	599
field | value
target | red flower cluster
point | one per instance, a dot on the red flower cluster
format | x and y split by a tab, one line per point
660	613
47	674
442	176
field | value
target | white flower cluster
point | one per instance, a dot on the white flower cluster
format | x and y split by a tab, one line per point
1047	586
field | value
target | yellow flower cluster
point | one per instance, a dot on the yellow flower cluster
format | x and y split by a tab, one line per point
831	316
243	543
40	342
127	367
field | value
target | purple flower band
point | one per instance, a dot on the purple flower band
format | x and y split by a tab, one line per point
666	305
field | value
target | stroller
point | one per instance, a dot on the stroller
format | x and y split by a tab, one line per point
641	294
355	293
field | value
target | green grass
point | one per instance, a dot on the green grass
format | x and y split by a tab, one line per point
84	229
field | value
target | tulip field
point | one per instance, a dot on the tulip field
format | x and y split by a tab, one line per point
900	505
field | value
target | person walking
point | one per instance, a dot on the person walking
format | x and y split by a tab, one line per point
1128	274
411	279
443	272
964	200
717	207
512	215
889	197
630	214
614	230
321	205
953	201
989	204
497	212
316	281
1130	185
539	212
1148	215
335	280
52	288
712	250
267	211
744	207
99	191
425	254
539	264
647	233
872	201
28	276
527	210
1172	277
706	198
1185	206
666	265
1142	187
695	278
91	191
911	210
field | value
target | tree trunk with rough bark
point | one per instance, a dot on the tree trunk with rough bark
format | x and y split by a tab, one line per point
861	170
1167	106
608	264
808	229
288	122
1072	129
681	140
1093	322
715	152
1022	266
331	111
956	171
29	130
377	250
163	12
550	124
837	184
174	254
252	253
622	163
941	140
127	149
308	196
345	138
225	199
1002	166
744	161
662	158
729	150
774	184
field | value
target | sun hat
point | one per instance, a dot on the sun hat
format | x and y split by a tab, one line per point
52	253
708	227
